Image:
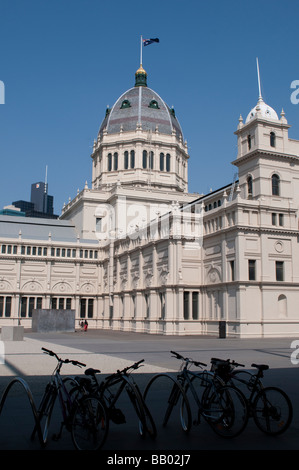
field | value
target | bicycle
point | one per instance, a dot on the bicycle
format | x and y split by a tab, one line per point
84	415
270	407
224	409
110	390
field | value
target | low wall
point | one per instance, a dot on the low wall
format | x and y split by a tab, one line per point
49	320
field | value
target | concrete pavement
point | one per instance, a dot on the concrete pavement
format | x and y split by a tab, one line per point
109	351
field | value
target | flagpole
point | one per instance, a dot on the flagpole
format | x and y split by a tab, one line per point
141	50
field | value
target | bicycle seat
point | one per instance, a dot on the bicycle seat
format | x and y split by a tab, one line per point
221	361
92	371
84	382
260	366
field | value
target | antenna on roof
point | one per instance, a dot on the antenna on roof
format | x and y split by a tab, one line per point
46	191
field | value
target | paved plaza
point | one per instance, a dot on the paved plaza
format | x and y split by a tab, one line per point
109	351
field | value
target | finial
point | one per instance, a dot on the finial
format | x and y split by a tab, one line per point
258	79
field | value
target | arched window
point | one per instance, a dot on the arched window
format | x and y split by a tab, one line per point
153	104
249	187
167	162
126	160
282	306
109	161
272	139
275	185
125	104
115	158
249	141
151	160
132	158
161	161
144	159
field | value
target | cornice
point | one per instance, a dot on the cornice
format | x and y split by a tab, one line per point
266	154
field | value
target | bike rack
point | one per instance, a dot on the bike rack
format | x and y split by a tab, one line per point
31	400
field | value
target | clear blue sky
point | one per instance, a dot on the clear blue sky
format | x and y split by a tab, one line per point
63	61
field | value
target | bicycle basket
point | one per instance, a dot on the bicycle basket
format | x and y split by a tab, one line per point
222	369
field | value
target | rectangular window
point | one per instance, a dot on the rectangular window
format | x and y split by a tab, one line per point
8	306
39	302
147	305
31	306
90	308
279	271
273	218
68	304
23	307
82	308
61	303
195	305
232	270
98	224
280	216
1	305
251	270
162	305
45	251
54	303
186	305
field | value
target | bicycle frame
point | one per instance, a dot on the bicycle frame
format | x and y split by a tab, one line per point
186	376
58	389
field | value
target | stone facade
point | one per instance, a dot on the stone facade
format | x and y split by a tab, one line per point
137	252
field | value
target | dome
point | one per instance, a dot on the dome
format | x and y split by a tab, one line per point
266	112
141	106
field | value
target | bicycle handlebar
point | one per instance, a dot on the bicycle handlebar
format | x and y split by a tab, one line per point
227	361
133	366
65	361
187	359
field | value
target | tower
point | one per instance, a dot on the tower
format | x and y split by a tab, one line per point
262	146
139	165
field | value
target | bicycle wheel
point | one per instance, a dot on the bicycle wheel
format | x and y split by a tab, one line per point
145	421
149	424
272	411
45	412
90	424
224	407
226	411
163	388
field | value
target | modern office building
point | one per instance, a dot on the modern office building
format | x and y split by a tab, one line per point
40	204
137	252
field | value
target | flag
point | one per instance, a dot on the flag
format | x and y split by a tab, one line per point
147	42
